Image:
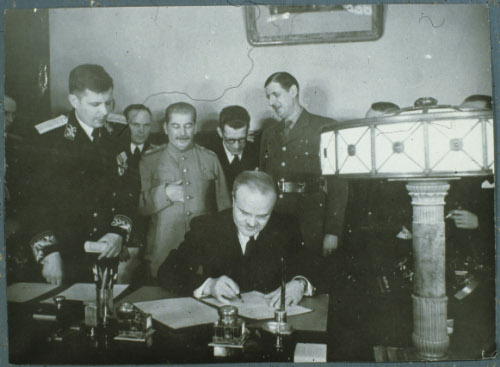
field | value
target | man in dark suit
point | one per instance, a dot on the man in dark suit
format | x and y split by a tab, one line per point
135	143
240	249
236	154
82	192
289	152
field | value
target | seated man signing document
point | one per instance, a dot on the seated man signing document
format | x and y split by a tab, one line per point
240	250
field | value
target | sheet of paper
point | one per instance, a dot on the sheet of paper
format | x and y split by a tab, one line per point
23	292
179	312
86	292
255	306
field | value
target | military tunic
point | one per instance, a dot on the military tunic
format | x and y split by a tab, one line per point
80	194
295	158
205	191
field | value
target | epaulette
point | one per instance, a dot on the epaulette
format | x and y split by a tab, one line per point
206	150
51	124
119	119
154	149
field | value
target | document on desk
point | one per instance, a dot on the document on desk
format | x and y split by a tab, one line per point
179	312
255	306
23	292
85	292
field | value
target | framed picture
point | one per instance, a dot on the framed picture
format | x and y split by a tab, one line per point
286	25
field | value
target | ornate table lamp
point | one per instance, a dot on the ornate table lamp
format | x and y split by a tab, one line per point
427	145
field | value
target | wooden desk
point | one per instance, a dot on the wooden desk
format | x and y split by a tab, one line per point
28	342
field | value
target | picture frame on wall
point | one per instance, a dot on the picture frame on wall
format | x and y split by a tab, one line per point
287	25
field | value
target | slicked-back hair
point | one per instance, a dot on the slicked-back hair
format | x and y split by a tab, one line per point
135	107
179	107
256	180
89	76
235	117
286	80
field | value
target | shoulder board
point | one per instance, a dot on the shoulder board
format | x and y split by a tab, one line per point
120	119
51	124
206	150
154	149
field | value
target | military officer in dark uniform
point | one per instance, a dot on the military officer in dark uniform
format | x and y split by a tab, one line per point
289	152
82	193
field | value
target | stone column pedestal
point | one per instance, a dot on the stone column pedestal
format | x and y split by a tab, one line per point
430	335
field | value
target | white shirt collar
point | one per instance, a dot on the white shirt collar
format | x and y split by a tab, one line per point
88	130
230	156
133	146
244	240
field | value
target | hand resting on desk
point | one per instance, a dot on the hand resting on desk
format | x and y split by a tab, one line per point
294	293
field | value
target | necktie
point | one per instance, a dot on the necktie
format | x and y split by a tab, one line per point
137	153
250	246
96	134
288	127
235	162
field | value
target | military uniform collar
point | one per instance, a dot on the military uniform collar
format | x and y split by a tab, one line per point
295	117
88	130
300	125
176	151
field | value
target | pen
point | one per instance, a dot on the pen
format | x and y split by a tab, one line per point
240	297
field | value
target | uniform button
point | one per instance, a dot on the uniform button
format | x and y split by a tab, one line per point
307	153
188	183
188	197
183	158
95	229
113	209
283	149
95	214
283	164
188	213
185	170
114	194
281	196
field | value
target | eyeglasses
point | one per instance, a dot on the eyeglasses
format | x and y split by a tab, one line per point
232	141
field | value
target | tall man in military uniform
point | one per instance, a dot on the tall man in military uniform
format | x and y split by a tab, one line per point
289	152
180	181
81	191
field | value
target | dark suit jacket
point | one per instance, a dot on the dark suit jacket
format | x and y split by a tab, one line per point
296	158
249	158
212	249
138	237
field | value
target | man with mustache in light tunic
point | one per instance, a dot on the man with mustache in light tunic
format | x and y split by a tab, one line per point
179	181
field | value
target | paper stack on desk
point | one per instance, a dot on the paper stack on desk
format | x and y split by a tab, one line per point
179	312
22	292
255	306
85	292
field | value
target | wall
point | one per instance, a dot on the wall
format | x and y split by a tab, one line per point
202	51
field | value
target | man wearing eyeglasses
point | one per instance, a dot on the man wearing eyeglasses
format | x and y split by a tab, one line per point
235	153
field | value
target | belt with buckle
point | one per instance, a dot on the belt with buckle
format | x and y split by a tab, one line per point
292	187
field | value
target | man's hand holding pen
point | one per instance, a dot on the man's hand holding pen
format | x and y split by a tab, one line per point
294	293
223	289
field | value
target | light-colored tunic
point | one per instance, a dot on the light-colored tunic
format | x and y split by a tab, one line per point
205	191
